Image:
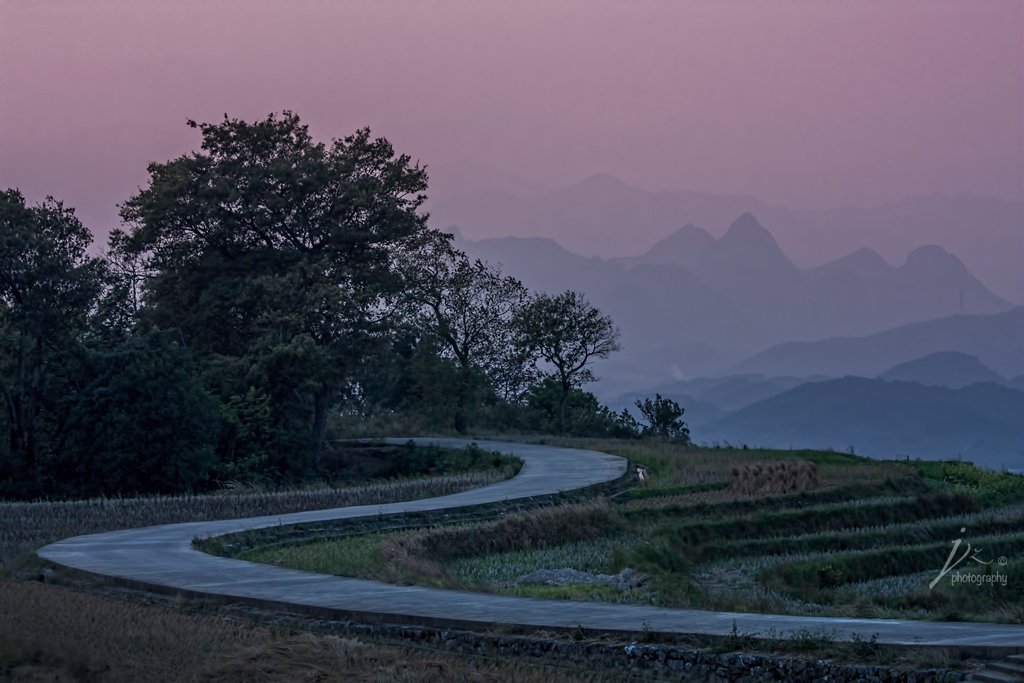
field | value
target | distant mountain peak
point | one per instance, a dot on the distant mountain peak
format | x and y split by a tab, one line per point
746	228
943	368
865	262
867	255
746	236
688	238
933	256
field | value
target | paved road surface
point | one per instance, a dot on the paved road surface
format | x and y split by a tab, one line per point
162	556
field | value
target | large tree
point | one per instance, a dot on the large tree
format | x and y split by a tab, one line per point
48	286
270	254
469	307
568	334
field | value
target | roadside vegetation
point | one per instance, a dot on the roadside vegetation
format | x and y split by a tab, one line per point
866	541
380	473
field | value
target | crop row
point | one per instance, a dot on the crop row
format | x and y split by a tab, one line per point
814	579
863	538
688	538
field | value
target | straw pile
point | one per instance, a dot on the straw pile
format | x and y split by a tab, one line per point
775	477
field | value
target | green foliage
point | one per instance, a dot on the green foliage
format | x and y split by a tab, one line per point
141	424
261	288
365	460
47	287
981	484
271	255
664	418
691	535
674	490
469	307
576	413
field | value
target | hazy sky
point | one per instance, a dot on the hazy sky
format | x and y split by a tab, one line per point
809	104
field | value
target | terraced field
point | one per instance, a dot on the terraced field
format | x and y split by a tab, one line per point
866	541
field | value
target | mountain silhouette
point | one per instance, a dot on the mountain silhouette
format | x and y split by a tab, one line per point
604	216
694	305
864	262
996	340
943	369
980	423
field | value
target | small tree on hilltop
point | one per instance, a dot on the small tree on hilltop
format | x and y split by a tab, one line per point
567	333
664	418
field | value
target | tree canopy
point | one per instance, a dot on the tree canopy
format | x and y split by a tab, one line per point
469	306
48	284
274	254
568	334
664	418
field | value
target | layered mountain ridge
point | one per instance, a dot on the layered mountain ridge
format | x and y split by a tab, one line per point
695	305
602	215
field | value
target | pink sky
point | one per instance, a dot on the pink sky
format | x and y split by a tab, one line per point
810	104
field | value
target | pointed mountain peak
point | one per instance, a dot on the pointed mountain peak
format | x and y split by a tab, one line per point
747	232
748	242
746	227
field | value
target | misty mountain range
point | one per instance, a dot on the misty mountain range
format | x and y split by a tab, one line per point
855	351
694	305
601	215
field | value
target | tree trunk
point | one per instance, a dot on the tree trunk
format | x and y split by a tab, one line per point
461	421
561	409
321	404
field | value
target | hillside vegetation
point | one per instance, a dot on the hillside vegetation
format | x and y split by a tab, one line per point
865	541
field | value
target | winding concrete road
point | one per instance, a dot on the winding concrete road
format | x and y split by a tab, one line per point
162	557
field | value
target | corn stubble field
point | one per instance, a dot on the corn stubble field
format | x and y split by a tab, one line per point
807	533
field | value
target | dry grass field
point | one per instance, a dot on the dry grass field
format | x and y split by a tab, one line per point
50	633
